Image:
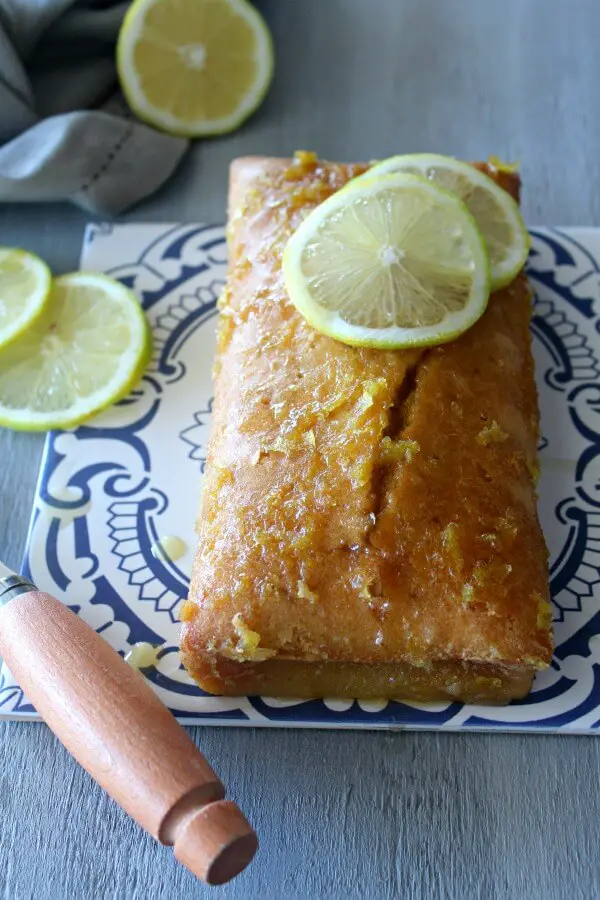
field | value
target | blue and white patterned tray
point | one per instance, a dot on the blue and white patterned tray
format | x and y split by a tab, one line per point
107	490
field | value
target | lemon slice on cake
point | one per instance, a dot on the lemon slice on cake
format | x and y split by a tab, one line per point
24	287
194	67
390	262
86	350
496	213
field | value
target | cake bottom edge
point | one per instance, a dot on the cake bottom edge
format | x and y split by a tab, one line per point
443	680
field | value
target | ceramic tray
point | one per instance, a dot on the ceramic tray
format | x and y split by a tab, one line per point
109	490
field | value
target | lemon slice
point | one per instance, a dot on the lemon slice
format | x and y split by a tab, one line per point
86	350
496	213
389	262
24	287
194	67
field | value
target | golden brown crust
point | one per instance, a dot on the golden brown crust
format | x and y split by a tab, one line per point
362	506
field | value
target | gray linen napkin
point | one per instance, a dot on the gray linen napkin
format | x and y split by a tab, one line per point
57	61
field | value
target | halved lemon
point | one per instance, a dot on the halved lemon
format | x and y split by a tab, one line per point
194	67
496	213
390	262
24	287
86	350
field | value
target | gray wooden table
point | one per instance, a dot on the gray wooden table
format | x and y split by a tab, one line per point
358	815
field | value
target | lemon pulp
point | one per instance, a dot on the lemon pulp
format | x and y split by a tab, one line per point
391	261
24	287
496	213
194	67
86	350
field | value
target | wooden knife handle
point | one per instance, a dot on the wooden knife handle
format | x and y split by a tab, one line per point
110	720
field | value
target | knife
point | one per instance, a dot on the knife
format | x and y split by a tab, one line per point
110	720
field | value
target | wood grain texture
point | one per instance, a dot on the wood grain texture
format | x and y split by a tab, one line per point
355	814
111	721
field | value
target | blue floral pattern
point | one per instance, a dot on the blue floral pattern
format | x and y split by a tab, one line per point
110	489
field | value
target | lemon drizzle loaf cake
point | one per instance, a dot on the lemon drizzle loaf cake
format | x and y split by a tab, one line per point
368	526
